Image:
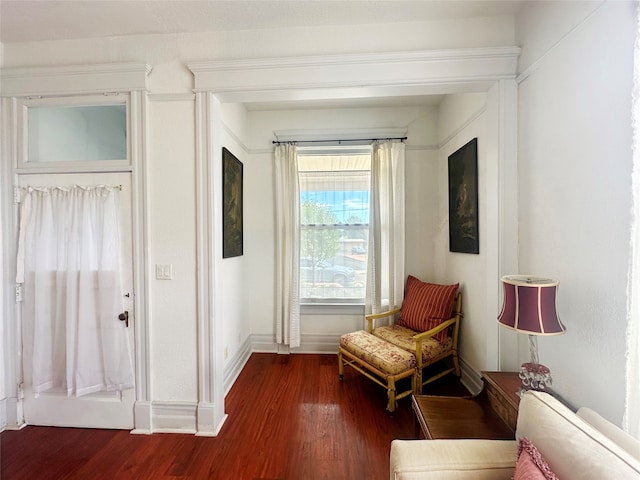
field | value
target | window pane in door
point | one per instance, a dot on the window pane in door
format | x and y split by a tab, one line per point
77	133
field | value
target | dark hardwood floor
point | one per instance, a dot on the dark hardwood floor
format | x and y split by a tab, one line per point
289	418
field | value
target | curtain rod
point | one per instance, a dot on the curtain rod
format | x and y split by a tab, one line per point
115	187
339	141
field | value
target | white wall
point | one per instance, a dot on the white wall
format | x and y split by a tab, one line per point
462	118
171	174
574	187
235	296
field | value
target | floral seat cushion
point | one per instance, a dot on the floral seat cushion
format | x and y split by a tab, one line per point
403	337
378	353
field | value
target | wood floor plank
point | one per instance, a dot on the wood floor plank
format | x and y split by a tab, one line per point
289	418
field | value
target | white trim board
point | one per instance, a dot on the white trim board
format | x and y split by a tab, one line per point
356	75
74	79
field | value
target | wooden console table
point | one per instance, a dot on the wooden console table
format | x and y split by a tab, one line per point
492	414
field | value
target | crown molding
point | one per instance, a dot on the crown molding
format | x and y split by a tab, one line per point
355	75
74	79
355	59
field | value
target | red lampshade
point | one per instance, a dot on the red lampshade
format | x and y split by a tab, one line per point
530	305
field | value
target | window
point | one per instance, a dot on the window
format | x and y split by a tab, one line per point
62	131
334	224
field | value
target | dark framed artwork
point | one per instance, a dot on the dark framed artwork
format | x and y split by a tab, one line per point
463	199
232	237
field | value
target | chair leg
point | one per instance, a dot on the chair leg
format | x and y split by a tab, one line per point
456	364
418	380
391	393
415	384
340	365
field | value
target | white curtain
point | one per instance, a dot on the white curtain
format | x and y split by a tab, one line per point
385	270
69	262
287	246
631	419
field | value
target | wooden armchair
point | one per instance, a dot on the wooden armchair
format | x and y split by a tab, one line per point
430	347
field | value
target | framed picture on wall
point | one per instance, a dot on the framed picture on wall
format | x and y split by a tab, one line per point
463	199
232	228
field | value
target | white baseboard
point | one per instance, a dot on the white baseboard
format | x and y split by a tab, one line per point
11	415
311	343
173	417
263	343
318	343
470	378
3	414
188	418
142	418
233	367
205	420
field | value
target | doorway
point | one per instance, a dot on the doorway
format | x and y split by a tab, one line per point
99	409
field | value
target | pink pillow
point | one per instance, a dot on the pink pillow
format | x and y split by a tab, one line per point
427	305
531	465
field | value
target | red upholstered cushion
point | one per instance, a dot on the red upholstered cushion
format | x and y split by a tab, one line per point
427	305
531	465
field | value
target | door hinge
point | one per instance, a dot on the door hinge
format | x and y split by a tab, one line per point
17	195
18	293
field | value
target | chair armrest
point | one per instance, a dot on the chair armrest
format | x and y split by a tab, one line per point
374	316
430	333
452	459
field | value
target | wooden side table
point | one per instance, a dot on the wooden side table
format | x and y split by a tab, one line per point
471	417
501	389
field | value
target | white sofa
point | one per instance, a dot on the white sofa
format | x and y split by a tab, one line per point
580	446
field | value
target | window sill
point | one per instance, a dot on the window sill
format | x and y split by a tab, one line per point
331	309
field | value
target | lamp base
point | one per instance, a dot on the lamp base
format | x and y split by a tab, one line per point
534	377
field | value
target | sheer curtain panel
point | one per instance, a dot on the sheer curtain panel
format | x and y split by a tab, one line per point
287	246
69	262
631	421
385	269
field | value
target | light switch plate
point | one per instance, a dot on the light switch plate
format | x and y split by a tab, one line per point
164	272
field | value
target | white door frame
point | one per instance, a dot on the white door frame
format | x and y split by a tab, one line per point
106	79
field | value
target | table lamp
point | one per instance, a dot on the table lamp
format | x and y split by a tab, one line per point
530	307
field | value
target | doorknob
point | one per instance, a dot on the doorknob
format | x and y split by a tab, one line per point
124	317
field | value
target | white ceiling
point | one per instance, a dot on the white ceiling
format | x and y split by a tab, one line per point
34	20
40	20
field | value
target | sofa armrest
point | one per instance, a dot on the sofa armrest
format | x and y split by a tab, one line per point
611	431
452	459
